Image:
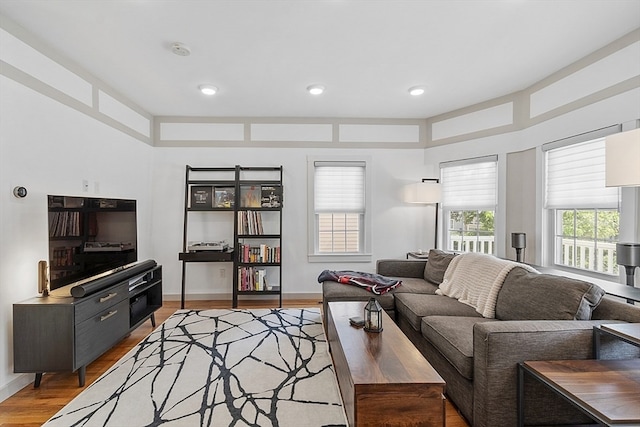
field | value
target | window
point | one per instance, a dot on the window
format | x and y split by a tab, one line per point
469	201
585	239
338	222
585	220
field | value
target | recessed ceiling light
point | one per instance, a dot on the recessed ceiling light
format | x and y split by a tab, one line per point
208	89
315	89
416	90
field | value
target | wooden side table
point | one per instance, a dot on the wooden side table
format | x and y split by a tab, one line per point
418	255
627	332
608	391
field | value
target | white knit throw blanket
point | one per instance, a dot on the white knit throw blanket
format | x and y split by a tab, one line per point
476	279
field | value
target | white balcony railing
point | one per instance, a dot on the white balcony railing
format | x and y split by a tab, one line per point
482	244
586	255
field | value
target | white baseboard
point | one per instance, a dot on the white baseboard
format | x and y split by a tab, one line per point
14	386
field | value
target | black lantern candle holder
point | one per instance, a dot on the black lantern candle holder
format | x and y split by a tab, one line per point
373	316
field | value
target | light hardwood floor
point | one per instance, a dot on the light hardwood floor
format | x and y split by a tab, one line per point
32	407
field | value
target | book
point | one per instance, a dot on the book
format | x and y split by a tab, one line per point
271	196
250	196
224	197
249	222
252	279
201	197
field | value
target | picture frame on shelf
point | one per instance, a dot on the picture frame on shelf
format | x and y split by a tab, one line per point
250	196
201	197
224	197
271	196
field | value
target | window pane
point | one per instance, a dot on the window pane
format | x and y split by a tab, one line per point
608	226
471	231
585	239
585	224
338	232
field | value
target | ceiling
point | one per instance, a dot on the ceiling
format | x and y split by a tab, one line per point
262	54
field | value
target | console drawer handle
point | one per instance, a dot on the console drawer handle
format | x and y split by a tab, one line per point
109	314
108	297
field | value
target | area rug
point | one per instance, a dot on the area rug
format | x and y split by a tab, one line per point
267	367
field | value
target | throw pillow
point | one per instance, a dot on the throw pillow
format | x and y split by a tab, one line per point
531	296
437	264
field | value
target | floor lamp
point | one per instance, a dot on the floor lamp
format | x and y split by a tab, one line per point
622	157
428	192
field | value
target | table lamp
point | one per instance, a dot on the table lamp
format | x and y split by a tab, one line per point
629	256
518	242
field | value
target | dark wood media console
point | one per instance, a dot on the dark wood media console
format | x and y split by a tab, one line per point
66	334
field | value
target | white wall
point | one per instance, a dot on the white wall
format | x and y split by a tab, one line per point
397	227
50	148
621	108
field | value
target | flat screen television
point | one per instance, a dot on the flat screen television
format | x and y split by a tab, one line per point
89	237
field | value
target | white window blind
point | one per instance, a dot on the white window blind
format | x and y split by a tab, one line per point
469	184
575	177
339	187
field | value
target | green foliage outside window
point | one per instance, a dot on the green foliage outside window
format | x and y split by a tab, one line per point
471	231
587	239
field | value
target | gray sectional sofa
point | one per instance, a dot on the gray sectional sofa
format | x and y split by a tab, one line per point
537	317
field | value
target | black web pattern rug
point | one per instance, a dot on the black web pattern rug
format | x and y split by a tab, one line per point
218	368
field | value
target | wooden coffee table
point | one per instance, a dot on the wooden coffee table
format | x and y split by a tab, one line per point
383	378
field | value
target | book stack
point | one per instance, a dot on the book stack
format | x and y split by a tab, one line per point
250	223
252	279
262	253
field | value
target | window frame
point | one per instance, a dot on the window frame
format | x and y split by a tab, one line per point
447	209
365	250
551	214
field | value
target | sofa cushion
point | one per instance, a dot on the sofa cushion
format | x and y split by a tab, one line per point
452	336
334	291
531	296
415	286
413	307
436	265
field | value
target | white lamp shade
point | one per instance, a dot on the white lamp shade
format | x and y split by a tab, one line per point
622	151
423	192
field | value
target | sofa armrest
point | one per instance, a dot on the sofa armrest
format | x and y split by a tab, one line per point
498	347
401	268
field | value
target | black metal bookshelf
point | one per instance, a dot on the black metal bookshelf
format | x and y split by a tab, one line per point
243	192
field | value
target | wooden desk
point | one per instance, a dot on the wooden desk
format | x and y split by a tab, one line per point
608	391
383	378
